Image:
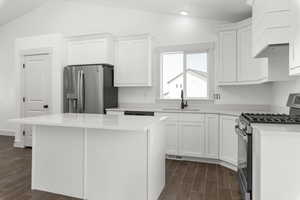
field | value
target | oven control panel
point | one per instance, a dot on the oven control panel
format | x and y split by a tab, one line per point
294	100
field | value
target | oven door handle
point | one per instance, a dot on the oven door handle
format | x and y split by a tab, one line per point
241	133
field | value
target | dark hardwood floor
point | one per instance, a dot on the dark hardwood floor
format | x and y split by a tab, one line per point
185	180
199	181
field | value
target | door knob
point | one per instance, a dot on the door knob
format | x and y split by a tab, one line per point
46	106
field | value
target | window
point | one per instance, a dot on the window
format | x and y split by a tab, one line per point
184	71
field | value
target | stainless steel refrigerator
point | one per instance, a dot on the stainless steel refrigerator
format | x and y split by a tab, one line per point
89	89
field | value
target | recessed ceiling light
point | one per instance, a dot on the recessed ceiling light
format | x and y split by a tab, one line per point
184	13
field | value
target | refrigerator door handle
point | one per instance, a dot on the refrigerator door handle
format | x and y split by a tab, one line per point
79	92
83	91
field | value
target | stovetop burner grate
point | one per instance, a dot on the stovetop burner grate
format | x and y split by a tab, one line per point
270	118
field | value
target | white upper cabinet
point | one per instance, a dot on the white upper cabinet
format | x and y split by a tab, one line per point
228	56
271	25
236	64
133	56
249	69
90	49
295	38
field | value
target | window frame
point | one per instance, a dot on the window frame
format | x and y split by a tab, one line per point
185	53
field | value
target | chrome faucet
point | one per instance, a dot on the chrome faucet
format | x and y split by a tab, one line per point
183	104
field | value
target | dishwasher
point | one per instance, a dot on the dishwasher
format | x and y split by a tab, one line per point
139	113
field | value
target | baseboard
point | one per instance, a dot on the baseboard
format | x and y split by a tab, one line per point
19	144
204	160
7	132
228	165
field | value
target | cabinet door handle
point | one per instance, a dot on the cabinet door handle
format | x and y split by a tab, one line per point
45	106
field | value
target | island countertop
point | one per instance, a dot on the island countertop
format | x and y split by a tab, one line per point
93	121
95	156
286	129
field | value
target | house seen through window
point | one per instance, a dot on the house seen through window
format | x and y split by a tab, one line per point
184	71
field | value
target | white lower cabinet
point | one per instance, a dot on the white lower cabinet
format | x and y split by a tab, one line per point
192	135
212	136
191	139
228	140
172	133
171	130
209	136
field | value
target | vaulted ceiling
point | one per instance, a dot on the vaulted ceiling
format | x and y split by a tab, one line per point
225	10
12	9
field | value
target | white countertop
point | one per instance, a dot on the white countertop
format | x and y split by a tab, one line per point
94	121
277	128
187	110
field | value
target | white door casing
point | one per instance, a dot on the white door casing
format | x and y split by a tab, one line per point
36	89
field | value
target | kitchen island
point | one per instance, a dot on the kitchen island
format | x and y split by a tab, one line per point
276	162
94	157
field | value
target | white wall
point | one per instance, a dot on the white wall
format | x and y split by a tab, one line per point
251	94
73	18
281	90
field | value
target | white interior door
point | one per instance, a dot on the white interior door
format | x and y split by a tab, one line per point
36	89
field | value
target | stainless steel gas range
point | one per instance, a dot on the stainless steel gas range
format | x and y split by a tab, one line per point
244	130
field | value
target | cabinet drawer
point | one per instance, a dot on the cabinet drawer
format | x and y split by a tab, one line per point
191	117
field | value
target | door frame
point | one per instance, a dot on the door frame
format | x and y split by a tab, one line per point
22	55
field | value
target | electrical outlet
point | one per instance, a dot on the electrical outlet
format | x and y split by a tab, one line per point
217	96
